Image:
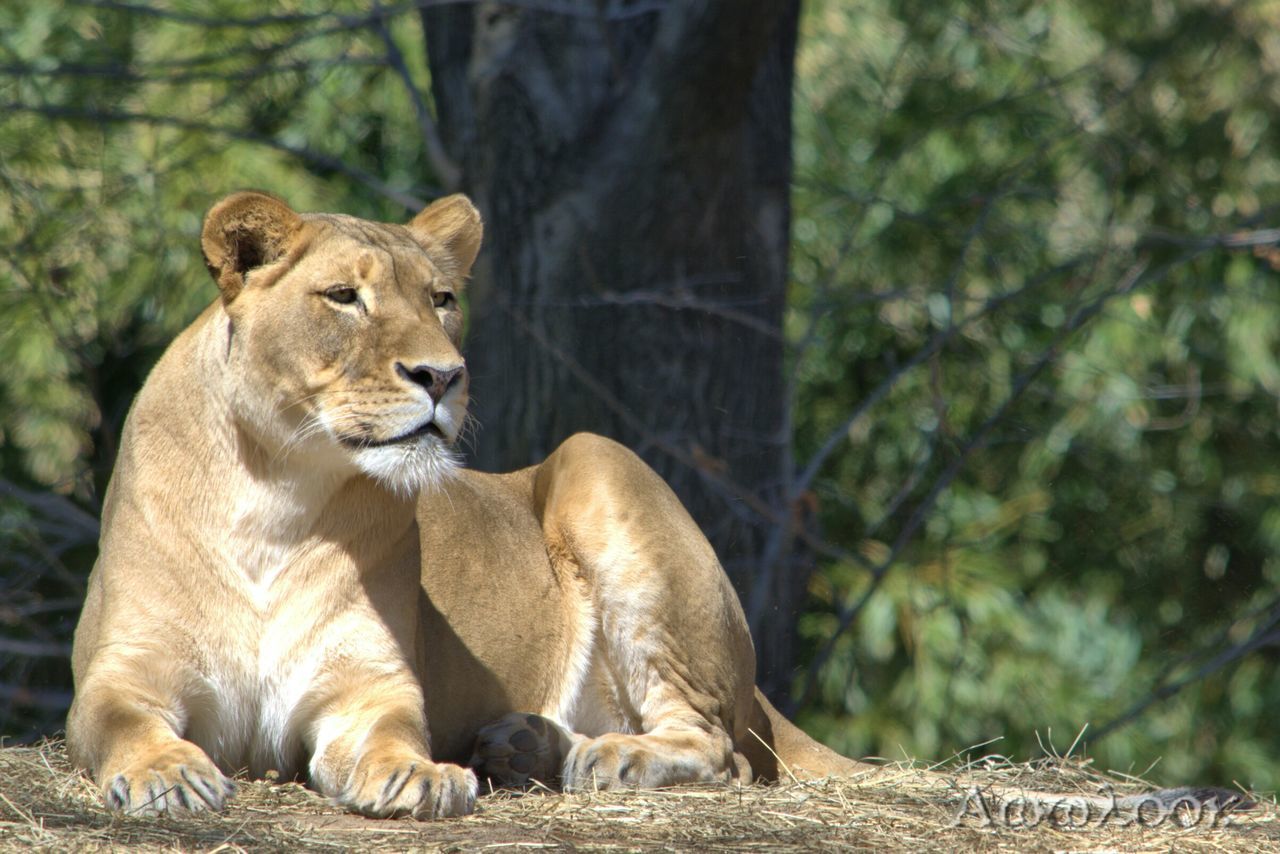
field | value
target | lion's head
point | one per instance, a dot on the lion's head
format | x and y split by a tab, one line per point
343	333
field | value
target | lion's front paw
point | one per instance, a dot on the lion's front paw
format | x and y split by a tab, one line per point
177	778
519	748
407	784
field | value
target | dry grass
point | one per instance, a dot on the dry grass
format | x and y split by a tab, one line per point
44	804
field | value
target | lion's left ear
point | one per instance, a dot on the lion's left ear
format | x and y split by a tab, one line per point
452	223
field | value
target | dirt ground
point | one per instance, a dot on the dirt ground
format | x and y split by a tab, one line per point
46	805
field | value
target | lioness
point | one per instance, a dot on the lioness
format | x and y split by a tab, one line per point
266	598
296	575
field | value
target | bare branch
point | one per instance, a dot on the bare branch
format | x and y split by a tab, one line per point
145	74
253	22
449	173
34	649
409	200
55	508
936	343
682	300
342	25
614	12
1266	634
725	484
1230	240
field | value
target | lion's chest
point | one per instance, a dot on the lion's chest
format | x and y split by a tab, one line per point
296	613
258	681
287	619
259	672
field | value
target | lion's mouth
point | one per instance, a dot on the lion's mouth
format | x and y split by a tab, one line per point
427	428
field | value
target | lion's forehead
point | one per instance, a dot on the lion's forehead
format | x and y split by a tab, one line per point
375	234
368	246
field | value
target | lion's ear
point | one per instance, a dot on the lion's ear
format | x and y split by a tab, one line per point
243	231
452	223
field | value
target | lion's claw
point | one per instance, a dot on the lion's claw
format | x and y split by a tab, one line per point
178	779
406	784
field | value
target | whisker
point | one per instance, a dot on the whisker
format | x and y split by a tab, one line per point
314	424
469	432
341	392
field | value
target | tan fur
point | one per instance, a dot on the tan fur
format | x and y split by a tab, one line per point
296	576
254	604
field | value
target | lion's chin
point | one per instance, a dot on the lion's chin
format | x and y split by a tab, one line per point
408	468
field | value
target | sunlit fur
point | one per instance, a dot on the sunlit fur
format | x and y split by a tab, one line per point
407	467
254	604
426	463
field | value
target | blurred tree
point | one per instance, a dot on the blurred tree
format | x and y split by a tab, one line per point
634	165
1034	309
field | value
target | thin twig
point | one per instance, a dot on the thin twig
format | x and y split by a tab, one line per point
446	169
1266	634
314	158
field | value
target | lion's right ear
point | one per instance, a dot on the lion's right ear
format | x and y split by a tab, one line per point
454	224
245	230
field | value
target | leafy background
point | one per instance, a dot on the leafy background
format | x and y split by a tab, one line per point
1031	338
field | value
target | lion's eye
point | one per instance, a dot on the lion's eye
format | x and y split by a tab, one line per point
341	294
443	299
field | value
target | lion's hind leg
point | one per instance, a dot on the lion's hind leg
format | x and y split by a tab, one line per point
671	668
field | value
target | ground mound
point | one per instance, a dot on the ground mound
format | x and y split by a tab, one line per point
44	804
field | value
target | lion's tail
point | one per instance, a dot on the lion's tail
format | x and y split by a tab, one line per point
779	750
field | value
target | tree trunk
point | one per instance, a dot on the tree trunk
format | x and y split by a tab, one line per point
633	166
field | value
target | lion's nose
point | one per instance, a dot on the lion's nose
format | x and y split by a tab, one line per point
435	380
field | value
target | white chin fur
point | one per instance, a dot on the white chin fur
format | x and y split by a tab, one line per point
413	467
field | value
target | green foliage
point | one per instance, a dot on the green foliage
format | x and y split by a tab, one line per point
972	180
108	170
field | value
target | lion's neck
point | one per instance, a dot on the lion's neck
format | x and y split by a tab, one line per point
274	521
262	512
